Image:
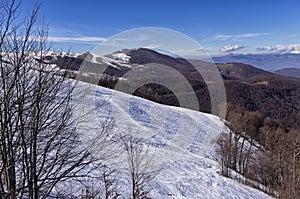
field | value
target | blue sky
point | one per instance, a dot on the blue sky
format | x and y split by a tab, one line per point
219	26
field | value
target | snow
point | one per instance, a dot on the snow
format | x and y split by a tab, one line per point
183	142
118	60
121	56
115	63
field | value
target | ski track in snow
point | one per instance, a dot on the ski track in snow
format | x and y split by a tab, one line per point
184	140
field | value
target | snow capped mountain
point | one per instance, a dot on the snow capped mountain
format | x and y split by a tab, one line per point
117	64
119	61
121	56
128	57
183	142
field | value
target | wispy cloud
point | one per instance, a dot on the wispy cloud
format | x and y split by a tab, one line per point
204	50
77	39
188	53
247	35
229	48
129	41
153	45
291	48
130	38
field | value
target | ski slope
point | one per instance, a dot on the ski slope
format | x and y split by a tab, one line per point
183	142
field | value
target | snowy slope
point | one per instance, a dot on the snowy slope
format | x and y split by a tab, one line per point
183	141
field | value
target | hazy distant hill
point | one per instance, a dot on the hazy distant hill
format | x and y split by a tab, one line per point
269	62
292	72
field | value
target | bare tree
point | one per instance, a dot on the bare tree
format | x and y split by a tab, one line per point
282	170
235	152
140	166
224	151
109	184
39	146
294	137
274	163
236	145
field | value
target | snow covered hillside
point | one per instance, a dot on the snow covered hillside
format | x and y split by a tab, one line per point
183	141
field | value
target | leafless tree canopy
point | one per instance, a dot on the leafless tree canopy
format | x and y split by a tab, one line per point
38	143
274	162
140	166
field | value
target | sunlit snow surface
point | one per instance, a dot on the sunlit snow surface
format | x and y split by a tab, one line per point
183	141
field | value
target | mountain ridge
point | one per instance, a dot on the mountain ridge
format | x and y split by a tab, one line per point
291	72
247	87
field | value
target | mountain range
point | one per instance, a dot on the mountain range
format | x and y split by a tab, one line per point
292	72
187	135
270	61
247	87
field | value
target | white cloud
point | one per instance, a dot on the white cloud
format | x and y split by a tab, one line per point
204	50
130	38
229	48
77	39
153	45
247	35
291	48
192	53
